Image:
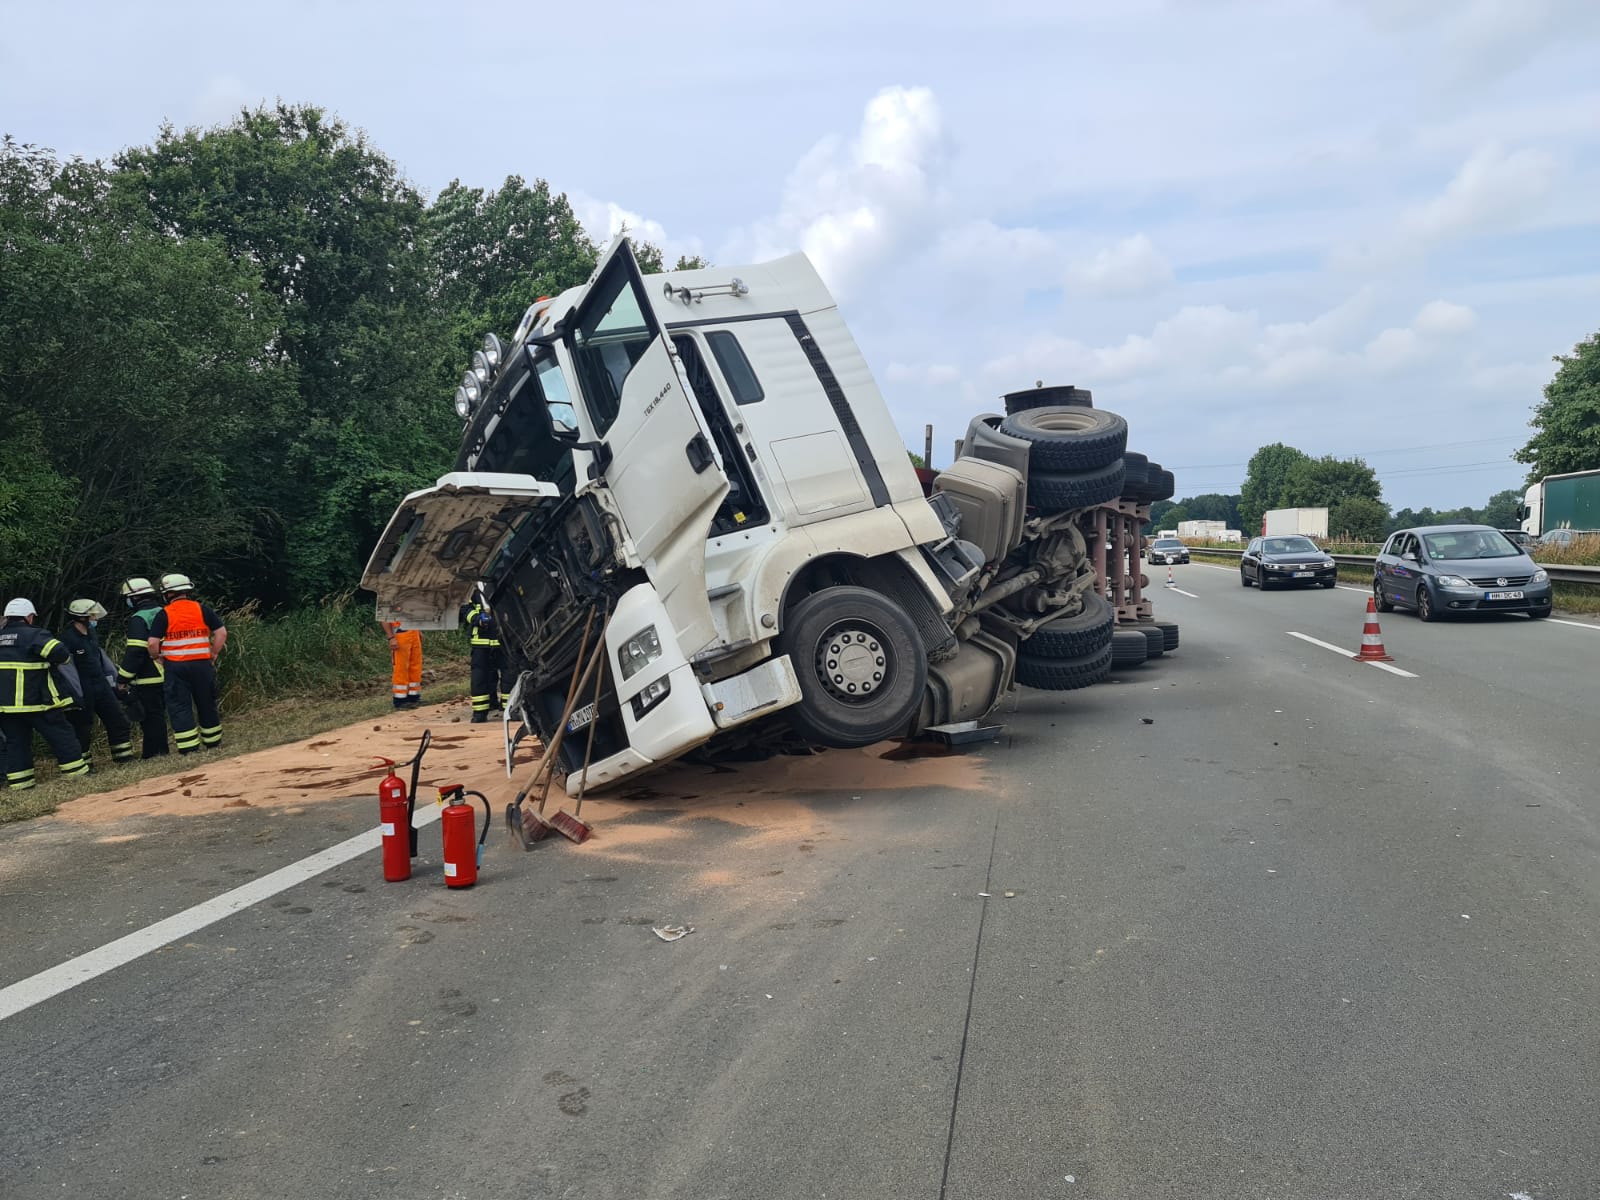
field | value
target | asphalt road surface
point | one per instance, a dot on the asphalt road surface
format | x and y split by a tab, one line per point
1254	921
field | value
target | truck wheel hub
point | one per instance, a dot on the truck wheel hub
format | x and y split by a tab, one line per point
851	662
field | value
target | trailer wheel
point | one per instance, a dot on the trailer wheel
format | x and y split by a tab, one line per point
1064	674
1069	439
1157	639
1135	470
1072	637
1056	493
1169	632
1129	648
1162	485
861	667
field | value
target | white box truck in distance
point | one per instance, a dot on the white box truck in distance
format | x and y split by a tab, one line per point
1310	522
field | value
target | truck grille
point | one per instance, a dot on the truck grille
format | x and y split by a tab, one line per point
1502	581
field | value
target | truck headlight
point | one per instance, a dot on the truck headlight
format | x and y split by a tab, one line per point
654	693
1541	576
469	385
1455	582
638	652
463	404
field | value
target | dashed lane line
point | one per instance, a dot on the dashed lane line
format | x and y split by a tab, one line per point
1174	588
1382	666
36	989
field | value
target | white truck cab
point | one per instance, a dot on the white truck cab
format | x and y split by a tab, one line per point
700	465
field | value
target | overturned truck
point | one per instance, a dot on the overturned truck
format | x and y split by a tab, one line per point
697	472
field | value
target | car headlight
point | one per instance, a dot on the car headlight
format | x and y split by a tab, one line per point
1455	581
638	652
1541	576
1329	565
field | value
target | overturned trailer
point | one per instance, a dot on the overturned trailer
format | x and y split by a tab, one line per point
700	465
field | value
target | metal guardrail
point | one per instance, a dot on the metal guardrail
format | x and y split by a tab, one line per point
1557	571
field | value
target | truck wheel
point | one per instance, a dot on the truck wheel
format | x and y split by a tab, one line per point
1057	493
1135	470
1048	397
1169	633
1073	637
1064	674
1157	639
1129	648
1162	485
861	667
1069	439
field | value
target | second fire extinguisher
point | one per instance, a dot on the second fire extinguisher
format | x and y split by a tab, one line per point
462	854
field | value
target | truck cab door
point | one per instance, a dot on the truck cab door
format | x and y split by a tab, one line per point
660	466
442	540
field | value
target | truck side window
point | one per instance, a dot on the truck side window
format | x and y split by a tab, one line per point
612	336
736	369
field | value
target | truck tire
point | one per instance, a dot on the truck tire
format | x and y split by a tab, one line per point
1064	674
1129	648
1057	493
1169	632
1069	439
1048	397
861	667
1077	635
1162	485
1135	470
1157	639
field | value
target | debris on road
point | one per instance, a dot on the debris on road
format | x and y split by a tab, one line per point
671	933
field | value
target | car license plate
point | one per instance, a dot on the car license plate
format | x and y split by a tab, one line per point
1502	596
1304	574
580	718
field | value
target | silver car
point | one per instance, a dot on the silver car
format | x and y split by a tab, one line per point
1442	569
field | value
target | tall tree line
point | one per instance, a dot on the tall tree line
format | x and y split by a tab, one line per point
231	351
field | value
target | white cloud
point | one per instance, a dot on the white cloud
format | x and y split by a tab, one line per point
1493	188
604	219
1440	317
851	205
1131	267
928	374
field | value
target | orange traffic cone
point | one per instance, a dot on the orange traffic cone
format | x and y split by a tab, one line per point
1372	637
1171	582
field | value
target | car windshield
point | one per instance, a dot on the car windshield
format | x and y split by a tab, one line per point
1289	545
1168	544
1469	543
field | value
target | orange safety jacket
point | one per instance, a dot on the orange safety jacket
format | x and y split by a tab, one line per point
188	637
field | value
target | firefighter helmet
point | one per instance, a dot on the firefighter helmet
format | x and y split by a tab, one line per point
21	607
86	610
137	585
174	582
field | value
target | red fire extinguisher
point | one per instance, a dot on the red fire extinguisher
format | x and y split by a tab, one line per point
462	856
395	812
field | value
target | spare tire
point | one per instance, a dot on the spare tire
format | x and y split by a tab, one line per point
1048	397
1069	439
1129	648
1056	493
1077	635
1064	674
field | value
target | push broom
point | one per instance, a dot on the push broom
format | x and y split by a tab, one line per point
529	826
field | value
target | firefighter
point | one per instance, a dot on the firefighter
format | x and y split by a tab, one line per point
140	675
32	696
100	696
188	638
406	647
488	660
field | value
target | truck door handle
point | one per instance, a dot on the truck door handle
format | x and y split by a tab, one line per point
699	452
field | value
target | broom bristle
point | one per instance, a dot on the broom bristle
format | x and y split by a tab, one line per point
570	827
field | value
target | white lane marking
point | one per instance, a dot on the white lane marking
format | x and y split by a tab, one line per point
1389	667
1180	591
1574	624
36	989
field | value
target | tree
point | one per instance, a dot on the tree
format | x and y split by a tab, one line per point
334	234
1568	421
1214	507
1266	478
1173	517
1359	518
1504	510
129	376
1325	482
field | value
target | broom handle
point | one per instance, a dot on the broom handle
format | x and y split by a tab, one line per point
572	690
588	749
561	730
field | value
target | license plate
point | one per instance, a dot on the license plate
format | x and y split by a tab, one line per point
1304	574
580	718
1502	596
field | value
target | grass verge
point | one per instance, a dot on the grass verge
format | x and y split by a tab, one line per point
287	719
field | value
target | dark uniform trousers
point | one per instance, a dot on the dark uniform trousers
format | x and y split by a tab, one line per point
103	703
191	688
150	704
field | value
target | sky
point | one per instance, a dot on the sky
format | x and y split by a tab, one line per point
1360	227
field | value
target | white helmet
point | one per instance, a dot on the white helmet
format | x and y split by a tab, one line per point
21	608
174	582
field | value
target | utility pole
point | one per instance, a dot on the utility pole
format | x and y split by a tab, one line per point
927	446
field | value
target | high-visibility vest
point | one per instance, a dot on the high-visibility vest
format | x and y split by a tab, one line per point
188	637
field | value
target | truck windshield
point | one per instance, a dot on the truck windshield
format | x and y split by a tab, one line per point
519	442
